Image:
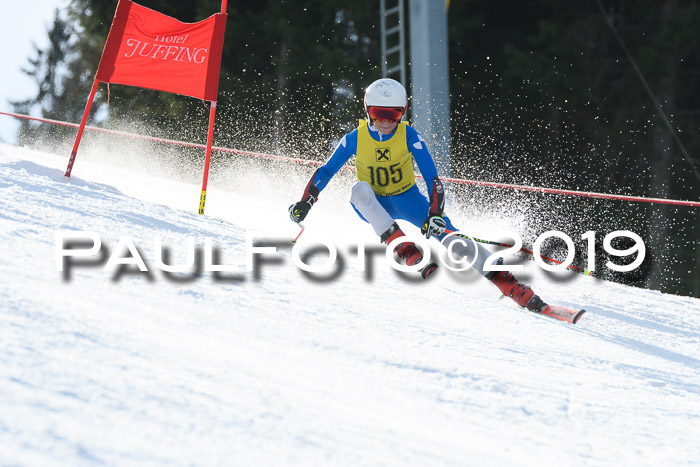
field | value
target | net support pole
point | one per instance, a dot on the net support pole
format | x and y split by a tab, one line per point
88	106
207	157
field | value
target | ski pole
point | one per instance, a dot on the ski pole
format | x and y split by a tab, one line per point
585	272
299	234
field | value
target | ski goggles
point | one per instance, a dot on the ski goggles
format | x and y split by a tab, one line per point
385	113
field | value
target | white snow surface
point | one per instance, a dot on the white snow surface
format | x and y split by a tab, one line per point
273	367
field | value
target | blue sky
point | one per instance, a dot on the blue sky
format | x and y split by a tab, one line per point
24	23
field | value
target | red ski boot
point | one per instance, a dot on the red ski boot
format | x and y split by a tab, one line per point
523	295
407	251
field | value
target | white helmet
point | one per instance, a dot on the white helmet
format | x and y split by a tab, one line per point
388	96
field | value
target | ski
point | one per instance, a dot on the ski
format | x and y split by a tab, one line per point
562	313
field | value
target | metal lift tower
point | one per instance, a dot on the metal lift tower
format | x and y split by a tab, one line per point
430	101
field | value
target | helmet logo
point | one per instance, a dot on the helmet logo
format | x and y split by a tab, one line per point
383	154
384	90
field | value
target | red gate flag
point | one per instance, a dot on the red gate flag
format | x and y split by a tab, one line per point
148	49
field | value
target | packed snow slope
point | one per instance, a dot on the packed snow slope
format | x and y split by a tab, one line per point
280	367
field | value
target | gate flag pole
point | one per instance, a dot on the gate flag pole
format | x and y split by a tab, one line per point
210	136
207	157
83	121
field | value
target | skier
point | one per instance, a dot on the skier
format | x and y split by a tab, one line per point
386	187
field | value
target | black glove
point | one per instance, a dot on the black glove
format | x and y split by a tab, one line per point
434	224
299	210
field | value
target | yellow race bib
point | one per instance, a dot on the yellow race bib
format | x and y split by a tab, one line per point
386	165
